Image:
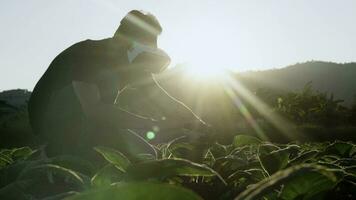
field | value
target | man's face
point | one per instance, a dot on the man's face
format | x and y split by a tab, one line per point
147	59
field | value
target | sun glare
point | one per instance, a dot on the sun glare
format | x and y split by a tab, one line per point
204	73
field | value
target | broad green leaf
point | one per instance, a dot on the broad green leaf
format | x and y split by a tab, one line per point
32	189
11	172
44	169
329	158
346	162
106	176
73	162
166	168
247	177
218	150
139	190
293	149
242	140
167	150
5	160
267	148
352	152
6	152
275	160
9	156
351	170
174	141
306	156
22	153
16	190
307	186
339	148
229	163
114	157
290	176
180	150
137	144
209	157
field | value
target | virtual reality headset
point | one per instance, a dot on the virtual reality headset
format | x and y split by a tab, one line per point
147	58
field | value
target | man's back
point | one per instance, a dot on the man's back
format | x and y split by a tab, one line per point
87	61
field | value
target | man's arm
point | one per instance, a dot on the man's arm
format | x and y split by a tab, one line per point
106	114
183	111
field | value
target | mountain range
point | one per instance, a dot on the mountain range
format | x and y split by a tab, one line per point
336	78
332	78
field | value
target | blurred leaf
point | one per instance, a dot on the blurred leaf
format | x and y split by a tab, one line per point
6	152
114	157
139	190
8	156
10	172
44	169
168	168
106	176
16	190
290	178
308	186
73	162
4	161
242	140
145	157
61	196
22	153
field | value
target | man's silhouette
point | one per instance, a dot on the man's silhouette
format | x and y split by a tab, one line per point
72	106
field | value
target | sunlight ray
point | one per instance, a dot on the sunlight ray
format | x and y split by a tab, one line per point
280	123
244	111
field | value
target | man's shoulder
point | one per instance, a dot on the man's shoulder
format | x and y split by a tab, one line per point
85	49
89	43
104	41
106	51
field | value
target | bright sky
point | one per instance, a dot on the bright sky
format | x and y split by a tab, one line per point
237	34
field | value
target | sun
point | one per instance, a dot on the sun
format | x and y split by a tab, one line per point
202	73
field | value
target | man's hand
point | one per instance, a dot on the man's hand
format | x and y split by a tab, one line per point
105	114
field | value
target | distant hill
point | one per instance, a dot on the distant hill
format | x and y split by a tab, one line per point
339	79
16	98
15	130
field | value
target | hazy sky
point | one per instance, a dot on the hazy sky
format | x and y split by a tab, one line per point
243	35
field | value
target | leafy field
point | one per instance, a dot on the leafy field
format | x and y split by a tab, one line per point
248	168
196	166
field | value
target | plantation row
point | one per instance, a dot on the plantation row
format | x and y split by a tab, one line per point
246	169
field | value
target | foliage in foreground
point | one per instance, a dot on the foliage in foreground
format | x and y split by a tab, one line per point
248	168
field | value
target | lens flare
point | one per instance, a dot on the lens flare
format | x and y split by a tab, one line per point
278	122
245	112
150	135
